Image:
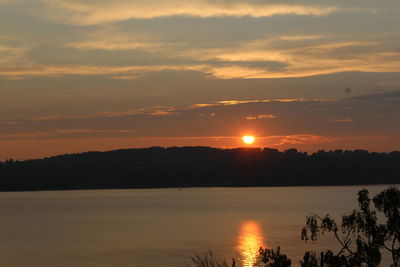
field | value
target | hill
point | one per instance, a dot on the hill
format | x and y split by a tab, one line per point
158	167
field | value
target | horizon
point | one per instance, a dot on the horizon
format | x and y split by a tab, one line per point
246	147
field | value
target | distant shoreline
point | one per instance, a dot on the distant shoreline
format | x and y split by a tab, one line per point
194	187
193	167
198	187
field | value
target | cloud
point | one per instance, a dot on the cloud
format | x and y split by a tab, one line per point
320	140
91	131
168	110
48	118
9	122
151	111
112	38
160	113
322	56
142	47
115	113
273	139
126	77
10	54
280	56
300	139
95	12
303	123
25	136
261	117
342	120
35	70
301	37
60	133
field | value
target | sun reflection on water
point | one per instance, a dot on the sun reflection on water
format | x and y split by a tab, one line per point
249	241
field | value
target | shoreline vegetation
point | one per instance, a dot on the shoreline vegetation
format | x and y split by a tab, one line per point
363	235
181	167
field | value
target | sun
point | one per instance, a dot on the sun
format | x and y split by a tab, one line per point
248	139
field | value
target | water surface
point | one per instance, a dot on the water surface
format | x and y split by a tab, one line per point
160	227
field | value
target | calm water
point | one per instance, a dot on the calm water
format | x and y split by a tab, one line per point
160	227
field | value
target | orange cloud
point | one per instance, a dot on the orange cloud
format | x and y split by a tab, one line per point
87	13
126	77
325	57
261	117
10	122
300	139
168	110
34	70
160	113
48	118
342	120
59	132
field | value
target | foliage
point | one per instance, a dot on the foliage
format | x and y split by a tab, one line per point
199	166
273	258
362	235
208	259
309	260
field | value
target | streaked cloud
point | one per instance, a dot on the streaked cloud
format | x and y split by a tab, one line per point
111	38
95	12
61	133
279	56
261	117
342	120
9	122
299	140
301	37
10	54
126	77
169	110
25	136
85	70
48	118
90	131
301	60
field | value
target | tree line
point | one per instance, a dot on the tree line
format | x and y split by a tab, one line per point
158	167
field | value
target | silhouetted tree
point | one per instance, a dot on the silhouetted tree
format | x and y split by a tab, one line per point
361	236
199	166
208	259
273	258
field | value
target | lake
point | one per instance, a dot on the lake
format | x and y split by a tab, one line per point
161	227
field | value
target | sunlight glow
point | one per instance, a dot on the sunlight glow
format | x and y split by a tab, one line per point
248	139
249	241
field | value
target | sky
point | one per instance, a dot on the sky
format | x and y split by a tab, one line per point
85	75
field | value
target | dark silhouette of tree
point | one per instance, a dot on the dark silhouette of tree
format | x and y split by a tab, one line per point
199	166
273	258
208	259
362	236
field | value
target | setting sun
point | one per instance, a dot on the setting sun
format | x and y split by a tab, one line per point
248	139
